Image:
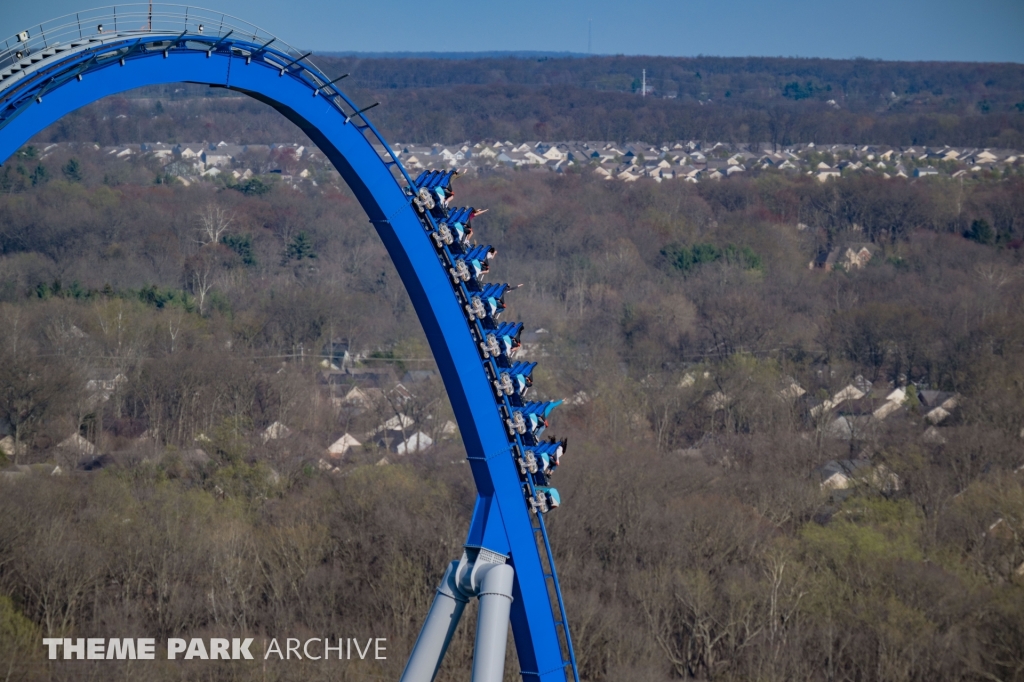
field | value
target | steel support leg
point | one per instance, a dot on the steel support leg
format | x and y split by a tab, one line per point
438	629
492	623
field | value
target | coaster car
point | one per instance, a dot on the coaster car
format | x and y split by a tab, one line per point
544	499
542	459
515	381
471	266
530	420
487	305
503	343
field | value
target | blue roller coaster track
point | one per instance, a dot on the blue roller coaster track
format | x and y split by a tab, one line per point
49	70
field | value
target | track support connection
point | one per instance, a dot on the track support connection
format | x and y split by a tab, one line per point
482	574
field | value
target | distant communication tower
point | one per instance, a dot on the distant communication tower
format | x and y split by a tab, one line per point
643	84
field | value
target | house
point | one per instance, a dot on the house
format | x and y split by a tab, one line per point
8	448
414	376
790	392
360	397
931	399
553	154
341	445
191	151
847	473
217	158
275	431
75	443
940	406
828	174
849	257
402	442
399	422
512	158
849	392
887	408
106	380
323	465
841	474
932	436
925	172
158	150
337	353
417	442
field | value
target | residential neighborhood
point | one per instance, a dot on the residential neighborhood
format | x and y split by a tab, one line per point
687	161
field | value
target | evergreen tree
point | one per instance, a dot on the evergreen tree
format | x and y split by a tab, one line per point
40	175
73	170
981	232
301	247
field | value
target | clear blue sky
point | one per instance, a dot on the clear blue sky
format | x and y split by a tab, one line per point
962	30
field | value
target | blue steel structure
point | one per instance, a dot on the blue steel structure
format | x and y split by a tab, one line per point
55	68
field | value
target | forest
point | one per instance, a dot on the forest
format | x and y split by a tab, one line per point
168	328
741	101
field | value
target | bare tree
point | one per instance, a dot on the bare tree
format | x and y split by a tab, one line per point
213	222
201	270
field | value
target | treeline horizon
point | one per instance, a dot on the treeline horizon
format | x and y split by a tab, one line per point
780	101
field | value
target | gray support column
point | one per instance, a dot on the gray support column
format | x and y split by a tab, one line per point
492	622
438	629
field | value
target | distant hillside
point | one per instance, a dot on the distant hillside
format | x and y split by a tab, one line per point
495	54
856	83
737	100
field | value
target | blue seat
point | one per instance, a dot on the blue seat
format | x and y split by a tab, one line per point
434	178
458	221
545	499
462	213
542	459
487	305
435	184
530	420
515	382
453	231
471	266
502	343
549	454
